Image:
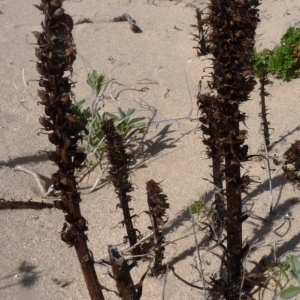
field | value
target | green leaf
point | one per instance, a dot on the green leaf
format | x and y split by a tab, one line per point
121	112
292	36
290	292
130	111
96	81
136	121
80	103
295	267
112	116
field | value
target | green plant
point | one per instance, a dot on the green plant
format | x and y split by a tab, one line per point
203	210
273	275
97	81
129	128
283	61
260	60
292	291
197	206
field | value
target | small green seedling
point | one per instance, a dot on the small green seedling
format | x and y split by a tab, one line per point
292	291
197	206
97	81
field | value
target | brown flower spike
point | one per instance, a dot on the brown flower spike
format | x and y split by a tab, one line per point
56	53
119	173
231	26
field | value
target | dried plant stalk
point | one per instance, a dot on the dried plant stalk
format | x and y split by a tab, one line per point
121	272
263	80
200	38
213	127
157	203
56	53
119	173
231	33
13	204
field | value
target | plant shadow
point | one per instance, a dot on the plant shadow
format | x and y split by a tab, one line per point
26	273
35	158
148	149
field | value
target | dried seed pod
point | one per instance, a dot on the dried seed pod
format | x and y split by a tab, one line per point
49	110
79	158
71	53
43	96
77	123
81	224
39	7
75	196
37	34
291	166
55	178
67	143
65	98
70	218
54	138
44	83
66	182
58	12
39	54
56	3
46	123
41	69
60	205
54	156
68	237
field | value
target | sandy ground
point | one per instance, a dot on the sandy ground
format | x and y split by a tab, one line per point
32	254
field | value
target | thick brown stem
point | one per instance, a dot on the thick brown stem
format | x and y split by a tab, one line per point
86	260
219	201
128	220
121	272
233	227
12	204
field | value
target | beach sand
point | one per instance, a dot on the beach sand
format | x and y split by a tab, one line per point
157	72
